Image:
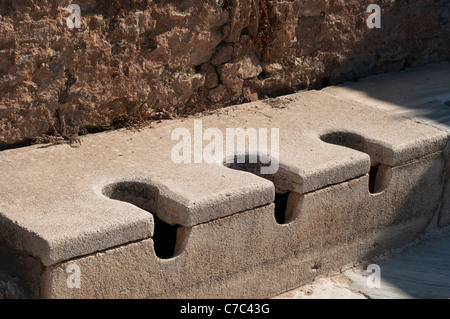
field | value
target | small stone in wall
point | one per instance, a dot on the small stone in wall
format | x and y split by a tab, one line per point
224	54
211	76
249	66
216	95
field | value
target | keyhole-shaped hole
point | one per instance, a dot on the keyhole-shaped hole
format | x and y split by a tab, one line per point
169	240
379	174
379	177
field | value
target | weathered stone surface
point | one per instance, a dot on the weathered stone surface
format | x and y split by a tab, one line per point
420	270
218	94
224	54
249	67
228	241
249	255
229	75
107	216
142	58
421	94
211	76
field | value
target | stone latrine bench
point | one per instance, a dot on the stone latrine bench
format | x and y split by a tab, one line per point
120	214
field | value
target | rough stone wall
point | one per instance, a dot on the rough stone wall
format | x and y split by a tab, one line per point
134	60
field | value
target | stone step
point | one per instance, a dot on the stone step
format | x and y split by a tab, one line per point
334	182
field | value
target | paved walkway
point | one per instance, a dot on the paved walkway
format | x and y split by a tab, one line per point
425	99
421	270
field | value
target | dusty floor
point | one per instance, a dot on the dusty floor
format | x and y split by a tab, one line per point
419	271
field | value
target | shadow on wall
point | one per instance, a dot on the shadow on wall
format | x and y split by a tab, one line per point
418	93
336	45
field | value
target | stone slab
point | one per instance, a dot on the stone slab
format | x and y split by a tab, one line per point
250	255
53	204
107	198
421	94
